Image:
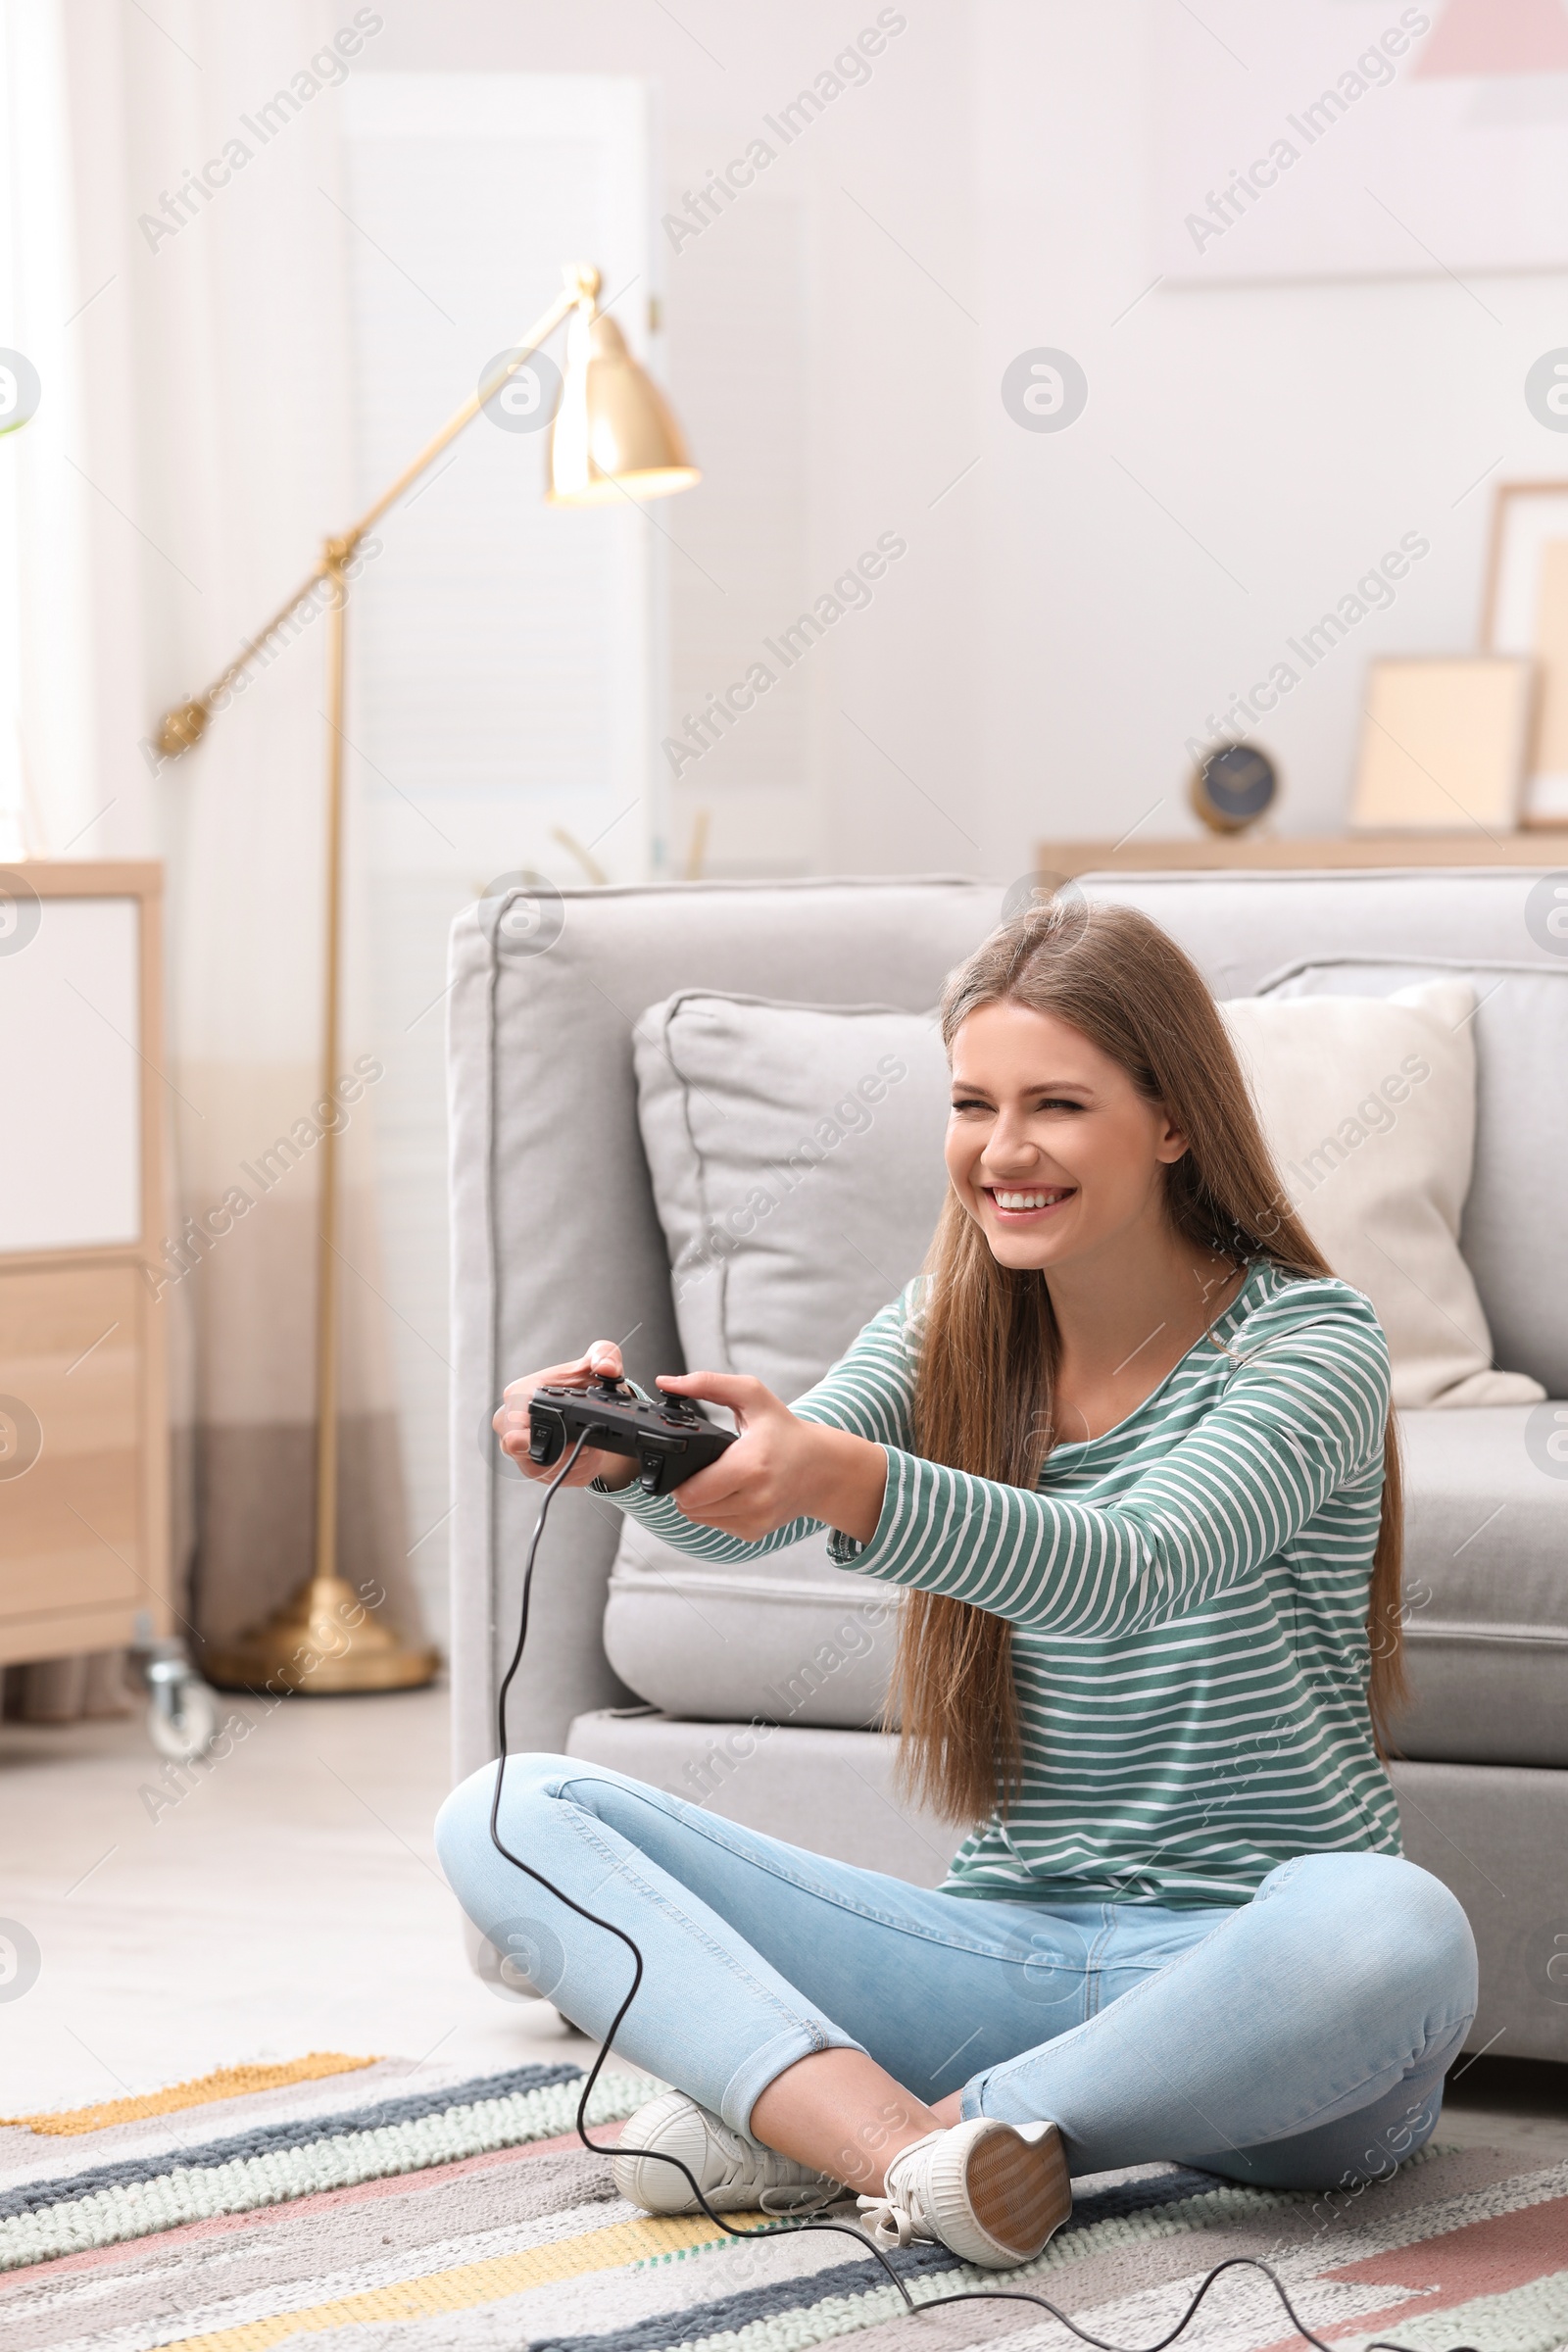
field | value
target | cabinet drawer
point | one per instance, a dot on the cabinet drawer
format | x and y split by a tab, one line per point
72	1468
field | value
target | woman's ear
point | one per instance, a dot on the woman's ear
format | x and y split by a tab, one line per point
1171	1143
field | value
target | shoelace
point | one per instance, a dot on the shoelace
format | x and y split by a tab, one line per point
886	2224
889	2222
800	2200
782	2199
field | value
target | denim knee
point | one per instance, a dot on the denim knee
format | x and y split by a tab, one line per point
1437	1945
1399	1935
462	1824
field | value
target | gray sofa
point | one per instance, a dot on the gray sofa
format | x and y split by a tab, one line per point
557	1241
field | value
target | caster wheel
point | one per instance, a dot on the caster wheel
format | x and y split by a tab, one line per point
181	1715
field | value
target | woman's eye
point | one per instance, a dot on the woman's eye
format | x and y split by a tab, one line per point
972	1103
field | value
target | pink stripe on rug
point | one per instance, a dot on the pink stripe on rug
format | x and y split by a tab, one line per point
326	2200
1488	2257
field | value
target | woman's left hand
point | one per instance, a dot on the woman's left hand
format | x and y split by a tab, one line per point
780	1468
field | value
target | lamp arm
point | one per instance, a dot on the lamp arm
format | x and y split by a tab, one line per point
186	724
539	334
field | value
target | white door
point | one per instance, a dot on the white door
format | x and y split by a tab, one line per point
507	656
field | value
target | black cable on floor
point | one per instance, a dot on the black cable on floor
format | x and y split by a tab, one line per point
817	2222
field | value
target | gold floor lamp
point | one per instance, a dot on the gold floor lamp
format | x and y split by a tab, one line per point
612	437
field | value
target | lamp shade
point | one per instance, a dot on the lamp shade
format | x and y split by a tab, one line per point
612	436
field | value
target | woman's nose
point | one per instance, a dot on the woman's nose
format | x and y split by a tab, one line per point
1009	1148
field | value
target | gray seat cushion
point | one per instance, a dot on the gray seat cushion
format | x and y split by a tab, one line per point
790	1637
1487	1585
1486	1601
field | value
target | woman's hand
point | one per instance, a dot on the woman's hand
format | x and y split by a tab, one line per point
780	1468
511	1420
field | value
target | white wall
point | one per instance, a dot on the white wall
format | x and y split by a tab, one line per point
1296	431
1070	615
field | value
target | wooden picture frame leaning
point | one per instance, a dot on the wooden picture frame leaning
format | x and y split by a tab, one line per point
1525	611
1443	743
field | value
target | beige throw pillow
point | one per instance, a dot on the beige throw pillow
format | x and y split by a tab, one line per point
1369	1107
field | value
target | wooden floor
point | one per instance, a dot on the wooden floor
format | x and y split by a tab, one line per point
291	1901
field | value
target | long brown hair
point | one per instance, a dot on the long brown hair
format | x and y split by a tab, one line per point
989	1348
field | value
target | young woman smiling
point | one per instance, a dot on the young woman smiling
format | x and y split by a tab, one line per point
1126	1442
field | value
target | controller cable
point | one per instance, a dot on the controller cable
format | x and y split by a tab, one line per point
816	2221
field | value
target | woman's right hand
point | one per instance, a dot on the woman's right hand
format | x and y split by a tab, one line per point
510	1421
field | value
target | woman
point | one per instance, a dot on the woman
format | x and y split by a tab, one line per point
1126	1445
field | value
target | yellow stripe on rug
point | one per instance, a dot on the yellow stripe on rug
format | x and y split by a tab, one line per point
227	2082
474	2283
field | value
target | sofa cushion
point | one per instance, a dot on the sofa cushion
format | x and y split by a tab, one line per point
789	1639
1485	1584
1514	1236
795	1155
1486	1587
1368	1103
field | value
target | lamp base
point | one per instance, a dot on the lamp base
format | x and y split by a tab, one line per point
322	1641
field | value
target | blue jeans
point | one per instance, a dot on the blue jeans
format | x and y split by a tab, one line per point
1299	2040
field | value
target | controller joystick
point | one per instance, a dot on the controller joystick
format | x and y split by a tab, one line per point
669	1437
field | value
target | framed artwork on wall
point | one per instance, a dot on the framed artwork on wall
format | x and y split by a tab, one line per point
1526	612
1359	138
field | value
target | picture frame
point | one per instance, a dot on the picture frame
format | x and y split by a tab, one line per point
1443	744
1525	611
1307	142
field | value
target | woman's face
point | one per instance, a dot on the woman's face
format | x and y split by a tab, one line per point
1050	1147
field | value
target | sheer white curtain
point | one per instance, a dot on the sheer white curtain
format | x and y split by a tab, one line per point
46	696
213	455
50	701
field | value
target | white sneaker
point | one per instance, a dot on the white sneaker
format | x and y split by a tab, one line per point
737	2175
981	2189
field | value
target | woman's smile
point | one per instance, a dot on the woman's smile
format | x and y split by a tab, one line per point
1024	1204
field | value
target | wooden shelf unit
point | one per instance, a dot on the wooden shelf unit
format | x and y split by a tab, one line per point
84	1539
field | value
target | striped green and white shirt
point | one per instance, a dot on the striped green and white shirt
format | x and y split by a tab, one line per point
1188	1596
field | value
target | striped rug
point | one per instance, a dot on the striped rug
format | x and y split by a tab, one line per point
346	2204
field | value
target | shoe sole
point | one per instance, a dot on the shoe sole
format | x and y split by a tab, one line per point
1019	2192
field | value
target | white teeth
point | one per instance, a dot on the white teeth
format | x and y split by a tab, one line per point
1025	1199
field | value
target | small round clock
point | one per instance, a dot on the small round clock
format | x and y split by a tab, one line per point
1233	787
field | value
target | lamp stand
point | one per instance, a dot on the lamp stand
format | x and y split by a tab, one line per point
619	441
324	1638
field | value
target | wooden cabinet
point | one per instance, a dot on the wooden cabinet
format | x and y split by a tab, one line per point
83	1418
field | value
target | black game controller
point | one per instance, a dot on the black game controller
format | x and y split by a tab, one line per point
669	1441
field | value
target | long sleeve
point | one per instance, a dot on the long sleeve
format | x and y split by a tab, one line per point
868	1391
1302	1415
